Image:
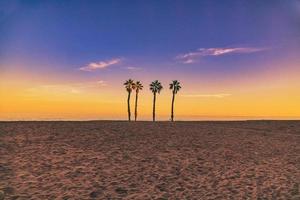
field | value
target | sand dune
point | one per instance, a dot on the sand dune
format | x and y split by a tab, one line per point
145	160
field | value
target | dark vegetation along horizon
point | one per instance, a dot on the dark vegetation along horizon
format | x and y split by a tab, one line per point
155	88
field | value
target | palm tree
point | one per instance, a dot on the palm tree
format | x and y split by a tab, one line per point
128	85
155	87
137	87
175	87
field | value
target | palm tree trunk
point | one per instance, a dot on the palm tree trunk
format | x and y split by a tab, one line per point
172	109
154	101
136	102
128	106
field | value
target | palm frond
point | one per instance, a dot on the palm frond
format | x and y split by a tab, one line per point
129	84
155	86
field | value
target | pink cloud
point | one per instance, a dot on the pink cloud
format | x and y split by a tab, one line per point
191	57
100	65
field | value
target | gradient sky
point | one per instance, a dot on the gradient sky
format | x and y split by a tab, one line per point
236	59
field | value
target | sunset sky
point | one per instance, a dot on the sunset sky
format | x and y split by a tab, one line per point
235	59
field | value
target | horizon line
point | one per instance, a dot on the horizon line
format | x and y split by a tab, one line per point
143	120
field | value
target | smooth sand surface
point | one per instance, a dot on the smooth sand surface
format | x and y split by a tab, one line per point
145	160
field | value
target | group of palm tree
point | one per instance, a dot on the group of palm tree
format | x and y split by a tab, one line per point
155	88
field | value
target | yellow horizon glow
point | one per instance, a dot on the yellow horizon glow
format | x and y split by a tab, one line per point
268	97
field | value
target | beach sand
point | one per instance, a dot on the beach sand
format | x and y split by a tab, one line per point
145	160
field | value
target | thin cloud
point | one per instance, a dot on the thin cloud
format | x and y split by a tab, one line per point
192	57
100	65
101	83
133	68
221	95
72	88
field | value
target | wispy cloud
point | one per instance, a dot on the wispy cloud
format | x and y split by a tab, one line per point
72	88
133	68
191	57
100	65
221	95
100	83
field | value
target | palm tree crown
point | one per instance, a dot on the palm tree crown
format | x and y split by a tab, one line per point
175	86
129	85
156	86
137	86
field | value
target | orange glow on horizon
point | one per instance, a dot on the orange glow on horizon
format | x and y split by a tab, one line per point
267	98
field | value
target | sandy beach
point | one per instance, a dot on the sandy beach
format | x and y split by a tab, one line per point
145	160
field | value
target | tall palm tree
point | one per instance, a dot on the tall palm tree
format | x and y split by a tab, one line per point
128	85
137	86
175	87
155	87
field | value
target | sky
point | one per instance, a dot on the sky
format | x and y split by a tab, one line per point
235	59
